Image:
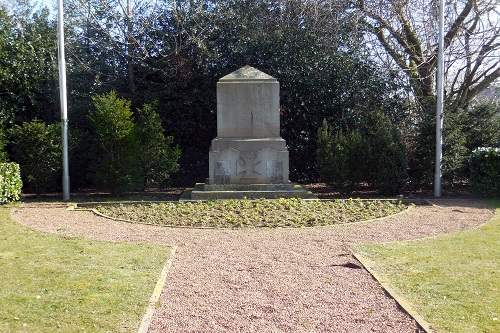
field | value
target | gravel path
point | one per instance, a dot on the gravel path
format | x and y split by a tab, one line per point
271	280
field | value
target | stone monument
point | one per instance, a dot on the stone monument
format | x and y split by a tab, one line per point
248	158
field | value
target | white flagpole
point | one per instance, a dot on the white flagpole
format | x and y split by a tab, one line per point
439	104
63	98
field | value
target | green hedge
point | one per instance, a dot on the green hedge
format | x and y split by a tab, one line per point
36	146
485	171
371	153
10	182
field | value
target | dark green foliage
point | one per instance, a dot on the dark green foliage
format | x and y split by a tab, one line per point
28	69
117	164
36	147
10	182
3	146
386	153
178	54
461	131
422	145
325	153
482	125
321	70
485	171
82	151
372	153
464	130
340	157
455	152
159	156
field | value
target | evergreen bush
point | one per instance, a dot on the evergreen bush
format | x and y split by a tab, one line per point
484	167
373	154
117	165
482	125
385	155
10	182
159	156
339	157
3	145
36	147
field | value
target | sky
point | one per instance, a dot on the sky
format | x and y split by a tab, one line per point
51	4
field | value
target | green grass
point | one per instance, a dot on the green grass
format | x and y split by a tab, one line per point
253	213
452	281
55	284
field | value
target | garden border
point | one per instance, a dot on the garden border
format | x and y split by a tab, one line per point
160	285
400	300
75	207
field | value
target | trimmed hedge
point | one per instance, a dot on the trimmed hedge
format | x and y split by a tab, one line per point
485	171
10	182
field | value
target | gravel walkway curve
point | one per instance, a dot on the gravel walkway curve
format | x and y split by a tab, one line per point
271	280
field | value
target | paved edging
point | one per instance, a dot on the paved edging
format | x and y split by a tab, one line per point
148	316
403	303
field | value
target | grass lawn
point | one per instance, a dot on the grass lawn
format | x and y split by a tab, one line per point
453	281
55	284
253	213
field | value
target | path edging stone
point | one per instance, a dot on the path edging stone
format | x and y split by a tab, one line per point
402	302
160	284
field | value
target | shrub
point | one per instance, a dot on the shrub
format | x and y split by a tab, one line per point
3	144
484	166
339	157
117	164
386	154
482	125
422	149
36	147
463	131
159	156
373	153
10	182
455	152
324	152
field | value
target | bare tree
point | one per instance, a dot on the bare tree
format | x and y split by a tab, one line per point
405	32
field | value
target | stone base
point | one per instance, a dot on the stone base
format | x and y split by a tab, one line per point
203	191
248	161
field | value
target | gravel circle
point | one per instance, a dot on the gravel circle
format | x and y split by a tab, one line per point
271	280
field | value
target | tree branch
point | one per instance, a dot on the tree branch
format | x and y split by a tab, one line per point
454	29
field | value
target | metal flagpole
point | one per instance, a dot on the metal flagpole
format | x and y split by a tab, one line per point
63	98
439	103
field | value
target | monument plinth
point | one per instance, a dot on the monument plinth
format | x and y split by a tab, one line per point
248	158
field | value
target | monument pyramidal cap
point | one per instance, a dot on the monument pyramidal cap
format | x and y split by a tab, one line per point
247	73
248	158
